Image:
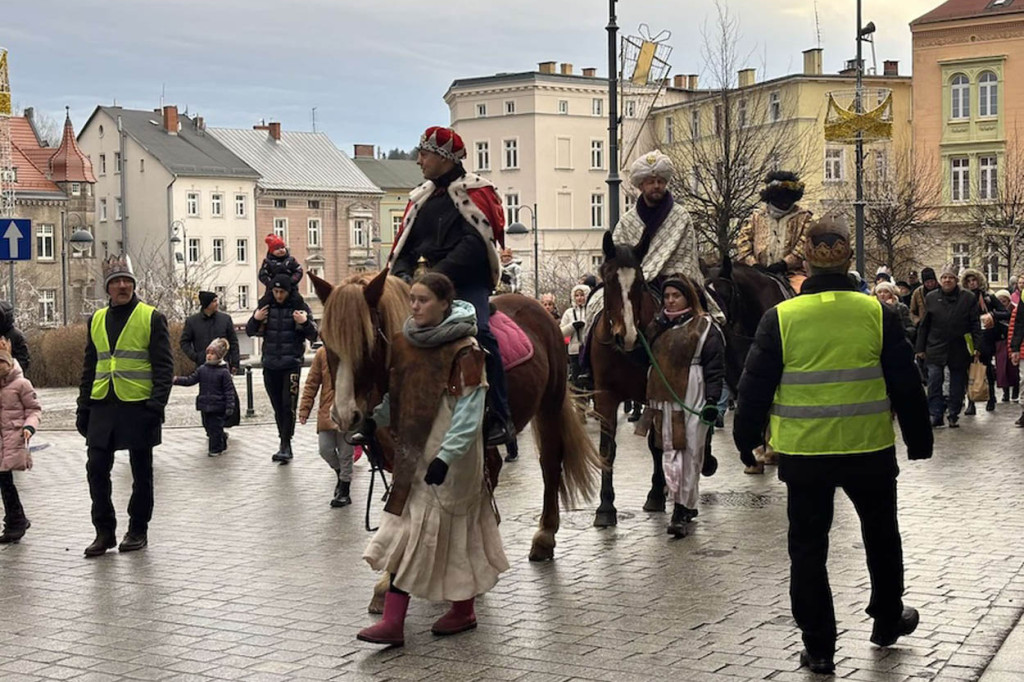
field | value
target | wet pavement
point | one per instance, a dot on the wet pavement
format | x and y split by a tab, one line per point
250	575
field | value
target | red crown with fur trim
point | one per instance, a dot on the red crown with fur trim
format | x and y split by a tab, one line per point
444	142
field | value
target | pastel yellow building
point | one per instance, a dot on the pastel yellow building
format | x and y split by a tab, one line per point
396	177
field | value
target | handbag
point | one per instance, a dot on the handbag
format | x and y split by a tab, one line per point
977	383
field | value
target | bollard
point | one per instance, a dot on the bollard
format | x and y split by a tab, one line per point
249	411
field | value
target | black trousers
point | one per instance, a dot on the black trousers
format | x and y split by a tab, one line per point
810	509
283	389
14	513
213	422
140	507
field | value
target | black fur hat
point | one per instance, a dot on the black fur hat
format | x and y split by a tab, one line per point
782	189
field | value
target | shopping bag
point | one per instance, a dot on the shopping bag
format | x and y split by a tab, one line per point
977	383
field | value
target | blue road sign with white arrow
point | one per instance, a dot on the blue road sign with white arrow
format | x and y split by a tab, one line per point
15	239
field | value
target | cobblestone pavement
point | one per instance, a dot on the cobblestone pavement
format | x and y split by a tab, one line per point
250	575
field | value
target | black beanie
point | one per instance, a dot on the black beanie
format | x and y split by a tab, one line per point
927	274
281	281
206	298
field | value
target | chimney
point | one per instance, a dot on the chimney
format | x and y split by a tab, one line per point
890	67
851	67
171	119
679	81
746	77
364	151
812	62
200	123
691	82
546	67
566	69
590	72
275	130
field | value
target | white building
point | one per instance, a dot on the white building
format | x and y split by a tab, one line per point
188	203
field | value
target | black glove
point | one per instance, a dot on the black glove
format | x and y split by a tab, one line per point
578	325
156	408
919	452
82	421
230	412
436	472
709	414
779	268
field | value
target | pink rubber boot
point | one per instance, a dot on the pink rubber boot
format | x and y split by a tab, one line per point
391	628
460	617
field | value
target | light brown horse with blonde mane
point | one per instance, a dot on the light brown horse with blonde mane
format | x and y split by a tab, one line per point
362	315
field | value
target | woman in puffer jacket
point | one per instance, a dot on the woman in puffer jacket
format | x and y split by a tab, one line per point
19	418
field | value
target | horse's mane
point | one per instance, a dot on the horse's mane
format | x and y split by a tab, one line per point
348	329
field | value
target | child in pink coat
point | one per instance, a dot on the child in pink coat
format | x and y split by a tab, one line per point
19	418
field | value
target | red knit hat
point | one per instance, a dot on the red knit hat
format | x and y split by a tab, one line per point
444	142
274	243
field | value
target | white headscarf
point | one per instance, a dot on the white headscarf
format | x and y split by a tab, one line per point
651	164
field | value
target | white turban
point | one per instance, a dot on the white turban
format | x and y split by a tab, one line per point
650	165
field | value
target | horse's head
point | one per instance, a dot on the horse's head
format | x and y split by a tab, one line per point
623	291
361	315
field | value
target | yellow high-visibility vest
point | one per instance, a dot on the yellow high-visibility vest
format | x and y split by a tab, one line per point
127	366
832	397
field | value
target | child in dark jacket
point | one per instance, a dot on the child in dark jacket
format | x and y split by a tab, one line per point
217	398
279	261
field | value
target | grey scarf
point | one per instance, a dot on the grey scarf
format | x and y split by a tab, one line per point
432	337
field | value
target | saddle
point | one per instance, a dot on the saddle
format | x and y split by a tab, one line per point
515	346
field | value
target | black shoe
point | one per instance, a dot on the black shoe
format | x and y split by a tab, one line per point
284	454
937	421
497	431
954	422
341	495
710	465
133	542
14	532
100	545
990	406
512	454
636	413
678	525
823	665
1020	419
1006	395
971	409
720	421
886	635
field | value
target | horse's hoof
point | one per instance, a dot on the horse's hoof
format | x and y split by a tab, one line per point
543	547
756	469
654	503
606	519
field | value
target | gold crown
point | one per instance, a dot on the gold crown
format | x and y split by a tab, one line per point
824	256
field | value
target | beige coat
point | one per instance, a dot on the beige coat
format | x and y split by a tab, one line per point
763	240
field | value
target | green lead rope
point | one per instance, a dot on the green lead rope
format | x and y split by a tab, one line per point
664	380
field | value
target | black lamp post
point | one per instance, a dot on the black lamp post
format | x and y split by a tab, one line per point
858	207
80	240
518	228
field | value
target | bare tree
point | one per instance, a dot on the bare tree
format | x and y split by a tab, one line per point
998	213
721	164
560	273
173	290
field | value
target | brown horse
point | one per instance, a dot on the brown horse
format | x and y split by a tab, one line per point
620	365
361	316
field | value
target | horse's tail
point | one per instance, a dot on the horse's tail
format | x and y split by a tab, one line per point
581	461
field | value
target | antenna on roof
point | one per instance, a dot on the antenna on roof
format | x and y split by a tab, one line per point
163	92
817	24
314	119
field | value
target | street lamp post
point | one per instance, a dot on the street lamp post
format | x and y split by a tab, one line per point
176	227
518	228
858	206
614	181
80	240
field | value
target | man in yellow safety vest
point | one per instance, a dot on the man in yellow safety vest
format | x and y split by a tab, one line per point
126	381
827	369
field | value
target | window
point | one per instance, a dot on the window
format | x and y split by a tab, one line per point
281	228
597	210
310	287
396	223
481	110
117	162
961	256
597	106
960	178
511	153
961	92
242	250
774	106
359	232
218	250
313	204
596	154
106	249
596	261
222	295
992	262
48	306
192	204
44	242
510	106
193	249
483	156
103	210
834	165
314	234
670	135
988	186
118	208
243	296
718	119
239	205
988	95
142	165
563	106
695	123
881	166
103	164
217	205
629	108
280	203
741	113
76	189
511	208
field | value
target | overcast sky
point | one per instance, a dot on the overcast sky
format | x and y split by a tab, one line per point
376	70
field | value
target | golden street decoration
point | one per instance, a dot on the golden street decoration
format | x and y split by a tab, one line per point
843	124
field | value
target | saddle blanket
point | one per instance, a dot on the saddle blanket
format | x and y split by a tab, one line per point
516	347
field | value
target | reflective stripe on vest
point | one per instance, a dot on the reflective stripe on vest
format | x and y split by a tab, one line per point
127	366
832	397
